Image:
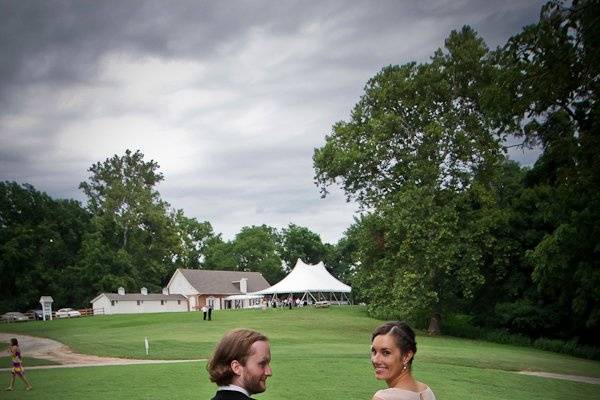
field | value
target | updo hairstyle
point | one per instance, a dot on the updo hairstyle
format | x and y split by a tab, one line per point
404	336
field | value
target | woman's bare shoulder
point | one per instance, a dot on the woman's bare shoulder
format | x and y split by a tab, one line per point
426	392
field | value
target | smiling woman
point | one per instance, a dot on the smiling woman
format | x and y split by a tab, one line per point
393	348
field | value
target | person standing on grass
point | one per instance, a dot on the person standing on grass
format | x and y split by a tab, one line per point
204	312
17	365
210	308
393	349
240	365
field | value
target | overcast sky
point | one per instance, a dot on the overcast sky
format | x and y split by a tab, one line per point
229	97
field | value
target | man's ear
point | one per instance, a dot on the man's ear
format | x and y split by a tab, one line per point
236	367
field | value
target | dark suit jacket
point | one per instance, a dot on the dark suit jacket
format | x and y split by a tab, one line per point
230	395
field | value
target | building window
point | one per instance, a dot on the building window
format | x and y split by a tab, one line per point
162	302
112	302
178	301
138	302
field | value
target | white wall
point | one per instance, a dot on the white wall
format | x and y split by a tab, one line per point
101	303
214	301
146	306
180	285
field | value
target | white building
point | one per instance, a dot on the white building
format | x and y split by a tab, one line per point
143	302
219	289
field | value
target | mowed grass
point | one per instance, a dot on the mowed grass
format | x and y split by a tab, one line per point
317	353
6	362
336	379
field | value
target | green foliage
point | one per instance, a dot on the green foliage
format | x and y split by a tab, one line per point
298	242
419	145
340	259
194	238
557	61
450	225
416	125
571	347
133	240
525	317
462	325
39	242
219	255
255	249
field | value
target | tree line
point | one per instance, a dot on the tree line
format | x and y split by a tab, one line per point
126	235
450	225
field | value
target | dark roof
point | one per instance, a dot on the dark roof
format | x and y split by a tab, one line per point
139	296
222	282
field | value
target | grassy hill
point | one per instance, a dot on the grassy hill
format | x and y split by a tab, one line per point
317	353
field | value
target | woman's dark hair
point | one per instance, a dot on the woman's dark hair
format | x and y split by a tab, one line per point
235	345
403	335
14	342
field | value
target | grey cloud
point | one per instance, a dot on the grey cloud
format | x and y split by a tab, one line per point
267	79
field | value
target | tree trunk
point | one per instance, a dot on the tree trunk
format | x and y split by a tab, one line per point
435	324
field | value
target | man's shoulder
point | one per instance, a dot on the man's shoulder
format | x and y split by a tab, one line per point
230	395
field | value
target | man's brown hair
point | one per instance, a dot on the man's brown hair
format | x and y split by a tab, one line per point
235	345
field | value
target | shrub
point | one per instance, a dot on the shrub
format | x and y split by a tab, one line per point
460	325
525	317
571	347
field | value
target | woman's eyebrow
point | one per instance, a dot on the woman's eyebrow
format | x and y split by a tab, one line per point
380	348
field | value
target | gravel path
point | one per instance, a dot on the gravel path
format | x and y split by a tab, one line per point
575	378
52	350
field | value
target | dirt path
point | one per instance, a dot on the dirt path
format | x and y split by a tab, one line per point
575	378
52	350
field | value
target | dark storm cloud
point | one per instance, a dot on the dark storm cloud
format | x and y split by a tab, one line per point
60	41
230	97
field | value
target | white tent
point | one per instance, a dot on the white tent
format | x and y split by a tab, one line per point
310	280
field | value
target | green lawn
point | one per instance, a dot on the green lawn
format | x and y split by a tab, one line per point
293	379
317	353
5	362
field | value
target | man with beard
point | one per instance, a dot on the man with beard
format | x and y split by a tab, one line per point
240	365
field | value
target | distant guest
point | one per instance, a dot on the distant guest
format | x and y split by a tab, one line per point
210	308
204	312
240	365
17	365
393	348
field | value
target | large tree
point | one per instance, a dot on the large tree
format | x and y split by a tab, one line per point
134	241
219	255
300	242
255	249
410	153
553	69
40	239
194	239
